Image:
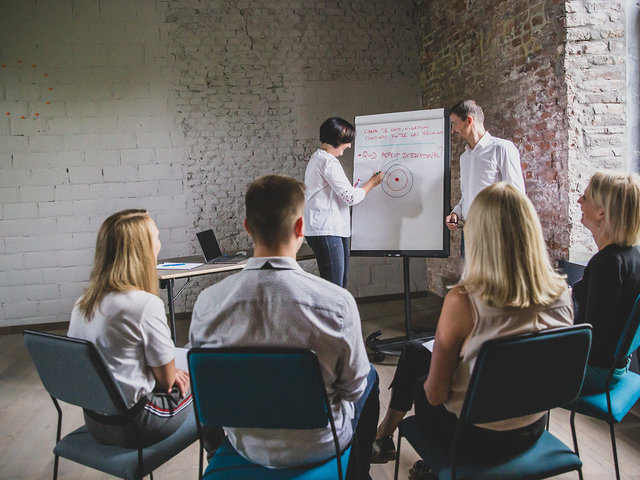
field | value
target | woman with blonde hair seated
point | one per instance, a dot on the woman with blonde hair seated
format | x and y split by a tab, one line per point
611	280
508	287
121	313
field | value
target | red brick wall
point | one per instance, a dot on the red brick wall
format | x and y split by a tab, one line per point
508	56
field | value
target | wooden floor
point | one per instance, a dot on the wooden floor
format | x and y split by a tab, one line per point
28	418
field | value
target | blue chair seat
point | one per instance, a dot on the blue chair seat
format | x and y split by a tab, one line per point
558	458
229	464
623	397
81	447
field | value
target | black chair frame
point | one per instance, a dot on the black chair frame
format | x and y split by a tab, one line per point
109	382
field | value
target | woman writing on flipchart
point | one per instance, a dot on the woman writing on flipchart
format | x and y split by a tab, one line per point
328	196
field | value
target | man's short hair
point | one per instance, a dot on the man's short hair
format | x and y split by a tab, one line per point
468	108
273	204
336	131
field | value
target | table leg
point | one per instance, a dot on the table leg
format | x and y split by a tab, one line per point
168	284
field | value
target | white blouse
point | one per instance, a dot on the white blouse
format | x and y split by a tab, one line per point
328	196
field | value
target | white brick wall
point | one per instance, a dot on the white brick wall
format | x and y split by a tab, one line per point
595	76
88	146
256	83
175	107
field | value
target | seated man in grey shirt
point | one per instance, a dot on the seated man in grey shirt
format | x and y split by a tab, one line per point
274	302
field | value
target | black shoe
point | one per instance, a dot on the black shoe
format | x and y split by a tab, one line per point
420	471
384	450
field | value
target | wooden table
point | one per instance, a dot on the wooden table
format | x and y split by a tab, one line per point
167	277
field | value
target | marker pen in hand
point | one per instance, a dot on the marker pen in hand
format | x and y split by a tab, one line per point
357	183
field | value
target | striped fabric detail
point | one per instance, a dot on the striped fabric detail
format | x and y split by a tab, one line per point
164	412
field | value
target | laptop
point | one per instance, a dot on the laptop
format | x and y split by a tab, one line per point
212	252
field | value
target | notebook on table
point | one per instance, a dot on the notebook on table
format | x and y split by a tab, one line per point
211	249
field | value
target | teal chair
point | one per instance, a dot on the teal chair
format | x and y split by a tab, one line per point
75	372
613	404
512	376
261	387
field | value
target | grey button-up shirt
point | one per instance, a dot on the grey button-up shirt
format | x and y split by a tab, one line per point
274	302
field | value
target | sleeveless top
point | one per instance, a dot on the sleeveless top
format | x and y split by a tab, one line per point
492	322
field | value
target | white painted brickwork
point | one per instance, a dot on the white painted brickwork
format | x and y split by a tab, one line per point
595	76
98	136
175	107
256	81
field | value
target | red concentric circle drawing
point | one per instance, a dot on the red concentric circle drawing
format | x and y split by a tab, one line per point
397	181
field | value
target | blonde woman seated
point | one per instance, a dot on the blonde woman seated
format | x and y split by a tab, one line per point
611	280
508	287
122	315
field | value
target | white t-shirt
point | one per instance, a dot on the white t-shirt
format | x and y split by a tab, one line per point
328	196
130	330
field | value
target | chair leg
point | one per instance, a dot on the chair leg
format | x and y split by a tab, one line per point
55	467
615	451
150	475
58	433
548	420
201	460
572	421
395	475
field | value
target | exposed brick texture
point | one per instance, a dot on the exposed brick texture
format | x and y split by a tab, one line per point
506	56
550	77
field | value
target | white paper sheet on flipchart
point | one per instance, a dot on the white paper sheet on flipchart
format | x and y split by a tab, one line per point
429	344
411	143
175	266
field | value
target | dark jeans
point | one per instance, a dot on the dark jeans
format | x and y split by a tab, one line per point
332	255
364	423
476	442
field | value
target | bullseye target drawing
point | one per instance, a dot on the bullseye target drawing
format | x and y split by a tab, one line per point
397	181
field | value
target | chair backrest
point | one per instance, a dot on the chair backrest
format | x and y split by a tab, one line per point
74	371
630	339
258	387
529	373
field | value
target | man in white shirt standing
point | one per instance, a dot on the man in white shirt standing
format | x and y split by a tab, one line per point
485	161
273	302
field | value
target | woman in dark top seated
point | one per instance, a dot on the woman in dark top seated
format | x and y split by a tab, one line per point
611	281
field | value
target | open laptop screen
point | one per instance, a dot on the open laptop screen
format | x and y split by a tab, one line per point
209	245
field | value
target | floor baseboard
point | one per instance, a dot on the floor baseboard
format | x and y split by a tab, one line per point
186	316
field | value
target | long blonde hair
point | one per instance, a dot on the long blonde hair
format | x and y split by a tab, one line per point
618	194
507	264
124	259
